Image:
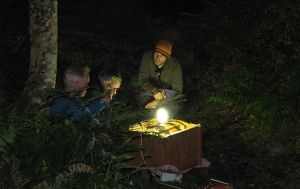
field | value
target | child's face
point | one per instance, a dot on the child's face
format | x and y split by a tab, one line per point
113	86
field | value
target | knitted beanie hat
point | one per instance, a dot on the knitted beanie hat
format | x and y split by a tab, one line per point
164	47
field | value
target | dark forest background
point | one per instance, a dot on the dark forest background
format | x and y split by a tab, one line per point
241	70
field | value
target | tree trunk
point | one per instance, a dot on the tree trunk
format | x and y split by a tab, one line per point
43	55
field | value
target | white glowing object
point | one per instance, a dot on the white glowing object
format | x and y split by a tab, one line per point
162	116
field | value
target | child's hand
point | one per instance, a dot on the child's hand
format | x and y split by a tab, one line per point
106	99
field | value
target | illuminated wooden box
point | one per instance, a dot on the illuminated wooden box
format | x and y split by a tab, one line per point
177	143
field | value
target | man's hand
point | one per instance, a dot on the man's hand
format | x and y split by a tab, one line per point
152	104
159	95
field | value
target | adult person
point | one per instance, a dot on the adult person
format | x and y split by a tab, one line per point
70	103
160	78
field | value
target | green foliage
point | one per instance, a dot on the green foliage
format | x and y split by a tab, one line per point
36	150
252	99
258	61
241	68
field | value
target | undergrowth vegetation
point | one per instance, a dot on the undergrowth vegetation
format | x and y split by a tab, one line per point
241	70
37	152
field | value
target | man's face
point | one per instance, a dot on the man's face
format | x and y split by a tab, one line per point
86	75
159	59
78	82
83	92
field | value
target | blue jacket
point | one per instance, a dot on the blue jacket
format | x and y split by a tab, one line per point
66	107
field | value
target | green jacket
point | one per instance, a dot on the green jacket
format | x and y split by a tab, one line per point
170	74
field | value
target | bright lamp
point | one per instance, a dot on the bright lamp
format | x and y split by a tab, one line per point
162	116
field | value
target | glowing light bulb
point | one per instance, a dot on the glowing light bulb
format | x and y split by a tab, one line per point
162	116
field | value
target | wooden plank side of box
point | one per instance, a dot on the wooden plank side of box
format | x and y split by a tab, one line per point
183	150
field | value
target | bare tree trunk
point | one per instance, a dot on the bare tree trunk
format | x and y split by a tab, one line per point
43	55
